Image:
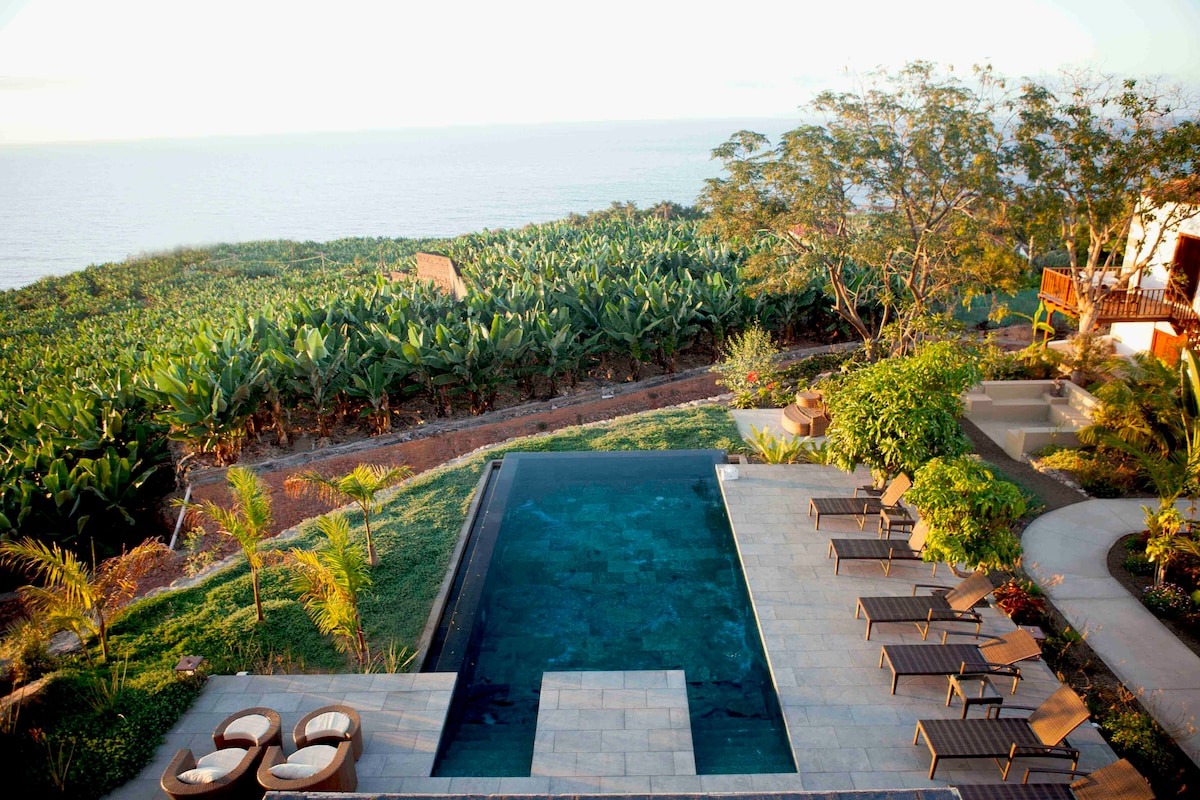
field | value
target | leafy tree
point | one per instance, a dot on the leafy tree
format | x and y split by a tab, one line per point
329	579
1097	153
77	598
893	203
247	521
361	487
970	512
897	414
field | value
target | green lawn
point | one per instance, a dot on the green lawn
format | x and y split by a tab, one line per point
94	746
1023	302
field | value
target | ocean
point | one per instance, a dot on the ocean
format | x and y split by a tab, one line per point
66	206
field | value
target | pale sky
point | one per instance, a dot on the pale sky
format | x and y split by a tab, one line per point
130	69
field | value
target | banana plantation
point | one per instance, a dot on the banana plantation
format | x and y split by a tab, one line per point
101	368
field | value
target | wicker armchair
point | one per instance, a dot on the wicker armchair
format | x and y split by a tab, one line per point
303	737
238	784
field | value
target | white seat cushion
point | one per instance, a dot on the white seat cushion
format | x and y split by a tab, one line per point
201	775
226	759
330	725
316	755
291	772
251	726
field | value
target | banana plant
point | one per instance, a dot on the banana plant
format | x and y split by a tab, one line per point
206	396
675	306
557	348
721	305
371	383
628	323
316	369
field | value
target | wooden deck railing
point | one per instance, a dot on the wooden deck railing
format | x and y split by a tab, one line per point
1120	305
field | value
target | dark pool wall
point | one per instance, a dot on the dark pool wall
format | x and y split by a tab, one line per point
605	561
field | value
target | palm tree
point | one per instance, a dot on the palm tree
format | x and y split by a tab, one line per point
329	579
247	522
77	598
360	487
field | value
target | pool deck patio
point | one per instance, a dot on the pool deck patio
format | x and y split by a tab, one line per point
847	731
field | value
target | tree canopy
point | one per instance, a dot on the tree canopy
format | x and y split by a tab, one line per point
1095	153
895	203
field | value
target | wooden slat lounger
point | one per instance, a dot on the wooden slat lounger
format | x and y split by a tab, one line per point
860	507
1015	791
884	551
1042	735
1119	780
953	605
998	655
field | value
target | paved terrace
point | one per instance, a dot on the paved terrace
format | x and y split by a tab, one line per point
847	731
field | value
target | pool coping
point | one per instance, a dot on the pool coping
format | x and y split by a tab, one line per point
490	471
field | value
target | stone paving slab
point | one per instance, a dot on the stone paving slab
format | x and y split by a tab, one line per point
631	724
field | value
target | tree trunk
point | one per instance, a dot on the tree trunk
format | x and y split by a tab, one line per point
372	556
257	599
102	630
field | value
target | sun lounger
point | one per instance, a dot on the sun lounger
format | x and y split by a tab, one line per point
859	507
882	550
1119	780
997	655
1043	734
946	605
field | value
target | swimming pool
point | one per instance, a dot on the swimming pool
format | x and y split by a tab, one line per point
604	561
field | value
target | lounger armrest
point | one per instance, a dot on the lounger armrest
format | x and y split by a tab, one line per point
1074	773
1006	707
967	633
988	668
959	616
936	586
1044	751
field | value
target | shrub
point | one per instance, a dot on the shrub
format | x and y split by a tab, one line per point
748	369
804	371
1167	600
1138	564
1100	473
1021	599
970	511
897	414
1034	363
1139	738
774	449
26	647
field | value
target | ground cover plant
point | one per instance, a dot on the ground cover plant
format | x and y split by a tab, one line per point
64	745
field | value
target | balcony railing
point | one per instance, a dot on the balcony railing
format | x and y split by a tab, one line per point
1119	305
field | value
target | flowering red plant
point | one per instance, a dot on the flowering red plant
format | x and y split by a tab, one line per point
752	376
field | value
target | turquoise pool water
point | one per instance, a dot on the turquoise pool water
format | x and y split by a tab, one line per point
605	561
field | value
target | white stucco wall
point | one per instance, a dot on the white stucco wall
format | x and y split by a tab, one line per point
1134	337
1143	235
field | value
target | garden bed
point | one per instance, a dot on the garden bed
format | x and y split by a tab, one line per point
1186	629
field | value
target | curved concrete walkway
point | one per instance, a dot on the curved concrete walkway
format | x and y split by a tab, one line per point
1066	552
